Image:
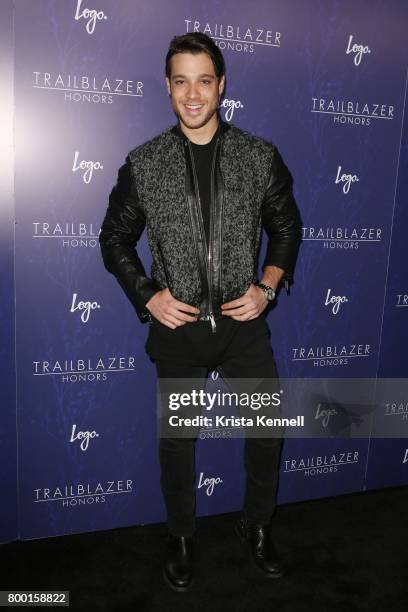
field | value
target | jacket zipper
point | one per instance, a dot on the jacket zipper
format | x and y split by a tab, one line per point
200	216
213	325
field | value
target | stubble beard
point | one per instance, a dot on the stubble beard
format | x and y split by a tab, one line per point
194	125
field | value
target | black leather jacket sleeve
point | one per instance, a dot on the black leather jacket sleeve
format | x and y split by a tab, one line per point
121	229
281	219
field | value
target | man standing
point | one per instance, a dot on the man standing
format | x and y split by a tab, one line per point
203	189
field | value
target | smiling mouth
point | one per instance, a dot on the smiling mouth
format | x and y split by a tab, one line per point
194	107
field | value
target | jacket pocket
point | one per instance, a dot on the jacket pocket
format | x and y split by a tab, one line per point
164	265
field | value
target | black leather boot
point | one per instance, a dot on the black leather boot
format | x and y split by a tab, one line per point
178	562
262	552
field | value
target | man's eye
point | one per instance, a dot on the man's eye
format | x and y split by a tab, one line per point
179	82
205	82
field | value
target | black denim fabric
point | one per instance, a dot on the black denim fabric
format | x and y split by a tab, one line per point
238	350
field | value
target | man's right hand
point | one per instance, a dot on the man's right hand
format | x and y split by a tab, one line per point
169	311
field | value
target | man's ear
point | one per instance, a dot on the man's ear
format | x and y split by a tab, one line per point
168	86
221	85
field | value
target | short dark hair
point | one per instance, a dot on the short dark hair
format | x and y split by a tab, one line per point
196	42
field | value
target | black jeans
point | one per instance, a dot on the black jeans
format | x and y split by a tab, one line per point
237	350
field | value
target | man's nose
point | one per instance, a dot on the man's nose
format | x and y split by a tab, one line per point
192	90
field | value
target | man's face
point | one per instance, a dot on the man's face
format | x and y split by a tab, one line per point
194	88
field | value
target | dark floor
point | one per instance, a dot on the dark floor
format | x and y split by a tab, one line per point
344	554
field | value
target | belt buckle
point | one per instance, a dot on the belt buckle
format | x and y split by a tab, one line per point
210	317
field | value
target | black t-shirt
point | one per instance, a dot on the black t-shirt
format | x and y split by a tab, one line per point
203	159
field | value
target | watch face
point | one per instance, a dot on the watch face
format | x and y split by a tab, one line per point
269	292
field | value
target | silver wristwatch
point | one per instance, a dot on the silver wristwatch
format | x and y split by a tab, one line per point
268	291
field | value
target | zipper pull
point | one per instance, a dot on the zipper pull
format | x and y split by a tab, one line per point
213	325
286	282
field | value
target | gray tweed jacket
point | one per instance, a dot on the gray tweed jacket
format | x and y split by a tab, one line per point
157	189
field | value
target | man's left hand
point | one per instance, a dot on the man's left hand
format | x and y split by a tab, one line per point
248	306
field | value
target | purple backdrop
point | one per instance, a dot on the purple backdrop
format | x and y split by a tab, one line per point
326	82
8	438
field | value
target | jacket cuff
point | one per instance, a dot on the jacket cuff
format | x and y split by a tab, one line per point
139	290
283	256
146	292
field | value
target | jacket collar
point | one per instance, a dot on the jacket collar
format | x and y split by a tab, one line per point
223	128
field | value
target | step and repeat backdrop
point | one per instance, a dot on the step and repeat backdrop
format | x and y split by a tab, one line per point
326	82
8	439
